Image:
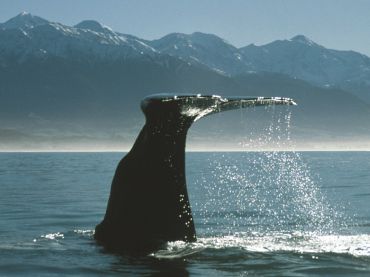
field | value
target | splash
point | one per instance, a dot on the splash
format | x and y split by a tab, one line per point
53	236
266	192
296	242
267	202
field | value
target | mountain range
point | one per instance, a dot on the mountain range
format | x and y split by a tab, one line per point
82	84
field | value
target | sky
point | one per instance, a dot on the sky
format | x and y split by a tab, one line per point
337	24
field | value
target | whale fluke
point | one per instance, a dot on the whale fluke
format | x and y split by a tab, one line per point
148	203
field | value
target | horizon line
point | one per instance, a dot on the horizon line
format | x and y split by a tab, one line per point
191	150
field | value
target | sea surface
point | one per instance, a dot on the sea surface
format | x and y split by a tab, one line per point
256	214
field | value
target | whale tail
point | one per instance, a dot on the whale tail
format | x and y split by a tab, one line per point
148	202
197	106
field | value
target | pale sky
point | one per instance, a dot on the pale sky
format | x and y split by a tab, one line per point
337	24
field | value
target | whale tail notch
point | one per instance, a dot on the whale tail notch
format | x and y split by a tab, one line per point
148	203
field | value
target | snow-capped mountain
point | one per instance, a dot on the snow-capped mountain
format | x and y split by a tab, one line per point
206	49
298	57
302	58
23	20
27	36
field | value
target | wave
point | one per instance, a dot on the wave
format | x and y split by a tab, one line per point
357	245
300	243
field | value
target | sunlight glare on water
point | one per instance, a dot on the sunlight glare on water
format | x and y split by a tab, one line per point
270	200
296	242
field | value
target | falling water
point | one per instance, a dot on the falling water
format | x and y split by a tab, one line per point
267	201
266	192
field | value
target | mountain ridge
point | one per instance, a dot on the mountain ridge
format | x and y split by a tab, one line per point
84	83
297	57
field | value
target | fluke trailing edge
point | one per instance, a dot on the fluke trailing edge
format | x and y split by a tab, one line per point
148	202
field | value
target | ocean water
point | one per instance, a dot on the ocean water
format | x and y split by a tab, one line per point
256	214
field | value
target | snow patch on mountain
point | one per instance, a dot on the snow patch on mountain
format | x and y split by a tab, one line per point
23	20
93	25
